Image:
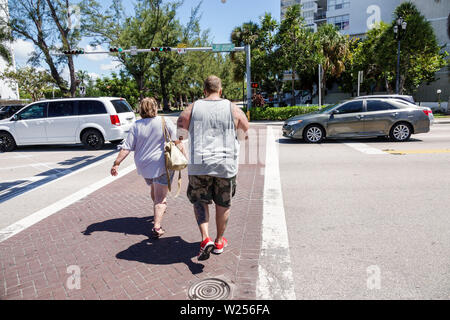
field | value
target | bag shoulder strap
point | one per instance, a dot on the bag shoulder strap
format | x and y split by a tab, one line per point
164	128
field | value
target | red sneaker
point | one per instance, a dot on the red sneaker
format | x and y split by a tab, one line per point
205	249
218	248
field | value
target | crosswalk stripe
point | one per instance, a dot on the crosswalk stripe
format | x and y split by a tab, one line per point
364	148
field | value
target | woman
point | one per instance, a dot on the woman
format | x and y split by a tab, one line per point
146	139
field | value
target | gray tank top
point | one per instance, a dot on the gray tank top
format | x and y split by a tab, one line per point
214	148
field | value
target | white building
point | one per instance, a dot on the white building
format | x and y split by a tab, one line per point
8	91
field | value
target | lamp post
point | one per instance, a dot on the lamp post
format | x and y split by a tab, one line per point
400	25
439	91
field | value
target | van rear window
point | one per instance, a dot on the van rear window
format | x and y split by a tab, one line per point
121	106
87	107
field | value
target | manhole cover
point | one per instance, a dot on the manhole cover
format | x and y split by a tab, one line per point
209	289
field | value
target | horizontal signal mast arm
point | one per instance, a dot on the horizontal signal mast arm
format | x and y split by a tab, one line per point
204	49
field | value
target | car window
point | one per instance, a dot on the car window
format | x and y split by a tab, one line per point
61	109
378	105
121	106
86	107
351	107
35	111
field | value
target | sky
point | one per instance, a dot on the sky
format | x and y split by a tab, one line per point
219	16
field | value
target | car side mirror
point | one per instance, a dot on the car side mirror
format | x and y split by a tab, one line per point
335	112
15	117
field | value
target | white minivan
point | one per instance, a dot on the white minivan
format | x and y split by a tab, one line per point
91	121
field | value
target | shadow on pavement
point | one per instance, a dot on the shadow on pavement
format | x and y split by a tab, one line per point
61	148
162	251
130	225
352	140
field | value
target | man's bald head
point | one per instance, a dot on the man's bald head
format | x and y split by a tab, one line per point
212	84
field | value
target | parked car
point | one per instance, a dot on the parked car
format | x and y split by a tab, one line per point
8	111
91	121
361	118
406	98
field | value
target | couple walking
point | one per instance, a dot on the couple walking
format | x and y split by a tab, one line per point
214	127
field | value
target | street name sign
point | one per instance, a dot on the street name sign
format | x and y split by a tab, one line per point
222	47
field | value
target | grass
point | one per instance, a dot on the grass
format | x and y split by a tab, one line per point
441	116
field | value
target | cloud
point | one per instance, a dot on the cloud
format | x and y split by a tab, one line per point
113	65
22	50
94	76
65	73
98	56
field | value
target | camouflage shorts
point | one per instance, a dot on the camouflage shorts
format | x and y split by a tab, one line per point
207	189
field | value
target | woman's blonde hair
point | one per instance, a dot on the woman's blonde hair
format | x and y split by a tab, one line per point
148	108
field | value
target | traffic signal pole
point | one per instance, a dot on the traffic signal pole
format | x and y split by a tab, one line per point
249	79
203	49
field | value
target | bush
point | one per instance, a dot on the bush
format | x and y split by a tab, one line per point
280	114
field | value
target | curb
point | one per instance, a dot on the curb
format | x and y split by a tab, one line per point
442	122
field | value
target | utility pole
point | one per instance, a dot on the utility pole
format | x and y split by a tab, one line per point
360	80
400	25
320	85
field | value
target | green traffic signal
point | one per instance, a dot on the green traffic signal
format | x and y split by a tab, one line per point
115	49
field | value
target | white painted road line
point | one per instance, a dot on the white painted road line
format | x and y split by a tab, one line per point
57	206
364	148
34	165
276	280
65	173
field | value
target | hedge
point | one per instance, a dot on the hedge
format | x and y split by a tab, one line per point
280	114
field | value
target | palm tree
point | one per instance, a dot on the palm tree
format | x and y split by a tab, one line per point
247	33
334	49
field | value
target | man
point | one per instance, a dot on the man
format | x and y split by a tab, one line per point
214	126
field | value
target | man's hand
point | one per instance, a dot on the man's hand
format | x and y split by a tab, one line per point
183	123
241	123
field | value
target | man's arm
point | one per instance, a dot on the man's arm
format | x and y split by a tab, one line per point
241	123
183	123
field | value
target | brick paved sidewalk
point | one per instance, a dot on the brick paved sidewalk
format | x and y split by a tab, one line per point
107	235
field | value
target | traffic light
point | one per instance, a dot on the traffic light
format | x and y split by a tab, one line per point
255	85
161	49
115	49
75	51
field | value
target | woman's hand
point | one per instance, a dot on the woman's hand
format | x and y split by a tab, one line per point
120	157
115	170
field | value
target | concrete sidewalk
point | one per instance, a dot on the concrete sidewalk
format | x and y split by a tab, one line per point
106	236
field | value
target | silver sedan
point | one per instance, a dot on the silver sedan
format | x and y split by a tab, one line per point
369	117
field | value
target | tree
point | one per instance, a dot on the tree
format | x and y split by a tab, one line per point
117	85
36	21
31	81
266	65
296	45
333	51
153	24
5	36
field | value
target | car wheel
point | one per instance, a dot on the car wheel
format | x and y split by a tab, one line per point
313	134
93	139
7	142
400	132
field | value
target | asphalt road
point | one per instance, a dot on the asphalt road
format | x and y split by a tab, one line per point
365	218
368	219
